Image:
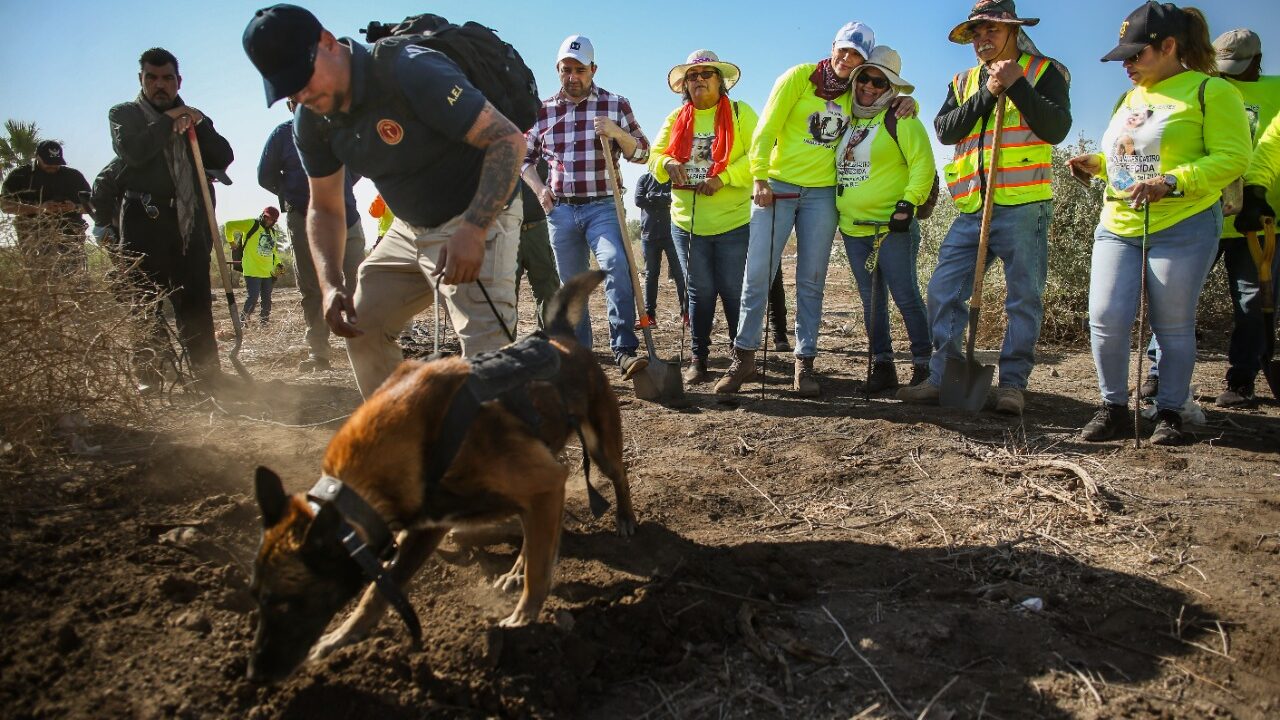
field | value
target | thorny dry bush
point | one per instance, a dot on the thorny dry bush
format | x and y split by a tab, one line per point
66	336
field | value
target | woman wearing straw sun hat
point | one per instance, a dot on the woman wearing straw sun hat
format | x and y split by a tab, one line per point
702	150
884	171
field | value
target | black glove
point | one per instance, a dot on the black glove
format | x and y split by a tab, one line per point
1254	208
900	221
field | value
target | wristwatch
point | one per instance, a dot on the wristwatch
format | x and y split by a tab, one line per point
1171	181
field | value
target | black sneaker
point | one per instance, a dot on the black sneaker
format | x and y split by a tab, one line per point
884	376
1108	422
631	364
1237	397
781	343
1168	428
1150	387
919	374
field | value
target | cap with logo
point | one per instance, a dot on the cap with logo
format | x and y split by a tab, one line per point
1236	50
577	47
855	36
271	212
1151	23
50	153
281	41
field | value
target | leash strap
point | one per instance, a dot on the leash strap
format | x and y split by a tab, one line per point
511	336
375	572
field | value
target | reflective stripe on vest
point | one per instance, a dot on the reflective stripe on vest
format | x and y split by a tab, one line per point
1025	172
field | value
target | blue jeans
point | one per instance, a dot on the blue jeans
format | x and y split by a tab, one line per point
579	229
897	270
654	248
813	215
713	265
1178	261
1248	328
255	287
1020	238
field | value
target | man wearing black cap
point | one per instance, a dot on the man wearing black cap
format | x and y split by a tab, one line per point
45	195
162	218
442	157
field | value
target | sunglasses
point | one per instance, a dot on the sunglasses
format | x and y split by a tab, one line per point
1136	56
703	74
878	83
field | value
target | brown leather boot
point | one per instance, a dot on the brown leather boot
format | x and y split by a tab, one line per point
742	370
696	373
806	382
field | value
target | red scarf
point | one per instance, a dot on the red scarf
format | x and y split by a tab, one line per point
681	145
826	84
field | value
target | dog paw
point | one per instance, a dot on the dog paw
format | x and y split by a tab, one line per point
626	525
517	619
510	582
330	644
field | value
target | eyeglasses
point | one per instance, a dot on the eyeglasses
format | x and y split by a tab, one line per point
1134	58
703	74
878	83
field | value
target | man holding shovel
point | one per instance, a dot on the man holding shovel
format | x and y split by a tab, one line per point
578	199
1037	115
163	218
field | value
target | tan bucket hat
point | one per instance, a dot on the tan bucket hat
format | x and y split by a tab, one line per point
886	60
729	72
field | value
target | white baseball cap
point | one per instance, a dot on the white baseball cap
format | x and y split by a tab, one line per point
857	36
579	48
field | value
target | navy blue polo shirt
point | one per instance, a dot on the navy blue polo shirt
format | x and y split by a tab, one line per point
412	146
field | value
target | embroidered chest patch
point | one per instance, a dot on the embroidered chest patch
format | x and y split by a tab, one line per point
390	132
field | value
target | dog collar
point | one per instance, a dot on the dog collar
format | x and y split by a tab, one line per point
354	509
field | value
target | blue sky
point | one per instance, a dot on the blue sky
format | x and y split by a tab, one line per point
67	61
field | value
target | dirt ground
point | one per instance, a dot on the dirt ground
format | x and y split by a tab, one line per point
828	558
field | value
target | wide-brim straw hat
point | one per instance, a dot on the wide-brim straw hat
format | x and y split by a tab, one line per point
729	73
998	11
886	60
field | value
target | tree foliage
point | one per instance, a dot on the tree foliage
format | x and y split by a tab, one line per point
18	145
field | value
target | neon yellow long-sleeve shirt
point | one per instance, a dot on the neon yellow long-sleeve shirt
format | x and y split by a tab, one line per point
1264	166
1261	105
1161	131
260	258
730	207
795	140
873	174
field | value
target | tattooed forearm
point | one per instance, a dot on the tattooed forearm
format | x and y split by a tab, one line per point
504	150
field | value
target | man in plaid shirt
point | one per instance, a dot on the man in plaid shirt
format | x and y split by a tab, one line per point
578	200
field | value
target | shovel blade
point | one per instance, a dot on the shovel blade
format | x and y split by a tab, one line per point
662	380
965	384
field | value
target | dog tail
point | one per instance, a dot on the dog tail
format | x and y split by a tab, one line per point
567	307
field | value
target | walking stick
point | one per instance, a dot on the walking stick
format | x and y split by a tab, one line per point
764	365
1142	321
222	255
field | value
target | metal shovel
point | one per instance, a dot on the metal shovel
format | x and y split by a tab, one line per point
1264	254
965	382
660	379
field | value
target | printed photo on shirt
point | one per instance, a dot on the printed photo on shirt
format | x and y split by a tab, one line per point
699	164
853	155
1132	144
266	244
826	126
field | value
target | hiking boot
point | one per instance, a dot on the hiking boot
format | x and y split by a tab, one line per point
1109	421
1168	428
1008	400
806	381
314	364
1150	387
919	373
926	393
741	370
631	365
781	343
884	376
1237	397
696	373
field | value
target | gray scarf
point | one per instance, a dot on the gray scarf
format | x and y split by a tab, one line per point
869	111
177	156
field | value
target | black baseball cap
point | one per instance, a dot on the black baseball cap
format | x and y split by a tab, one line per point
281	42
1151	23
50	153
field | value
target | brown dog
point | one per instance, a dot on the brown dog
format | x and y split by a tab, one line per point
306	571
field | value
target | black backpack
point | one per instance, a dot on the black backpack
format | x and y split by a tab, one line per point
492	65
926	208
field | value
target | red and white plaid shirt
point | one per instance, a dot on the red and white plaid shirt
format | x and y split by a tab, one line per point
565	135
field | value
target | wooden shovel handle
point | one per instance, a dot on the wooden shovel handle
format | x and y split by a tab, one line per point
616	183
988	204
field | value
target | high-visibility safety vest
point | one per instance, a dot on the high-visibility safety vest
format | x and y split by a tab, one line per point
1025	171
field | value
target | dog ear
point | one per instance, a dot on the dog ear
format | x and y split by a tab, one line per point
271	496
322	534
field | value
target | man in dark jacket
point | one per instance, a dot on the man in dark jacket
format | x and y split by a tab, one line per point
163	218
654	200
280	172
